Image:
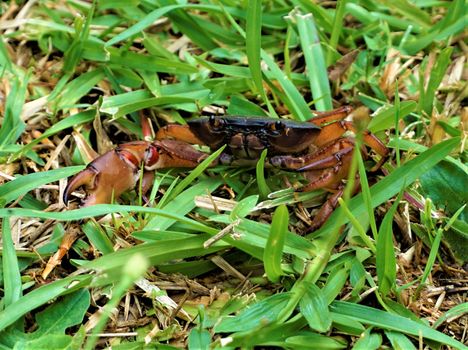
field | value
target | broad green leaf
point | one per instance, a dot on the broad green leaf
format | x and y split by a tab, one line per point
368	341
244	207
399	341
40	296
62	314
49	342
255	316
309	340
457	238
314	307
385	119
445	185
199	339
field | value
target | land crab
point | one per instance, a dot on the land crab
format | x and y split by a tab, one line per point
317	148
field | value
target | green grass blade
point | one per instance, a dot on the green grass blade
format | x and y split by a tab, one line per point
385	256
399	341
244	207
182	204
196	172
337	29
458	310
366	194
388	321
23	184
260	172
73	55
274	248
152	102
411	11
98	237
315	62
386	119
142	24
12	125
256	315
77	88
5	60
69	122
11	274
437	74
253	43
133	270
300	109
103	209
157	252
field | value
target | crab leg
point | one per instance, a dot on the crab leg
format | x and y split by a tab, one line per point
325	211
322	118
336	130
324	169
179	132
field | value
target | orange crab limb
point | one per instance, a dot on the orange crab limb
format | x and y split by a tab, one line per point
179	132
325	211
331	116
337	129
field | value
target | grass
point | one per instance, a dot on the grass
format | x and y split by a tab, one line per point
222	256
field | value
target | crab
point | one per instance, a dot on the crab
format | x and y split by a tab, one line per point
318	148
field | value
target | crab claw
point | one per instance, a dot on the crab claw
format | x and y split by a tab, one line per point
86	178
117	171
113	173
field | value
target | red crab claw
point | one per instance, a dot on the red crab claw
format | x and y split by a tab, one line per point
117	171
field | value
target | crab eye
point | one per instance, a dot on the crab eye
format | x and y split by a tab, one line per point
216	123
277	127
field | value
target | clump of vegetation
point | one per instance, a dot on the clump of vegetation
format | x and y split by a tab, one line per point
221	257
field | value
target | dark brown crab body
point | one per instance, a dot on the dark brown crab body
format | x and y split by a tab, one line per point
320	151
247	137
